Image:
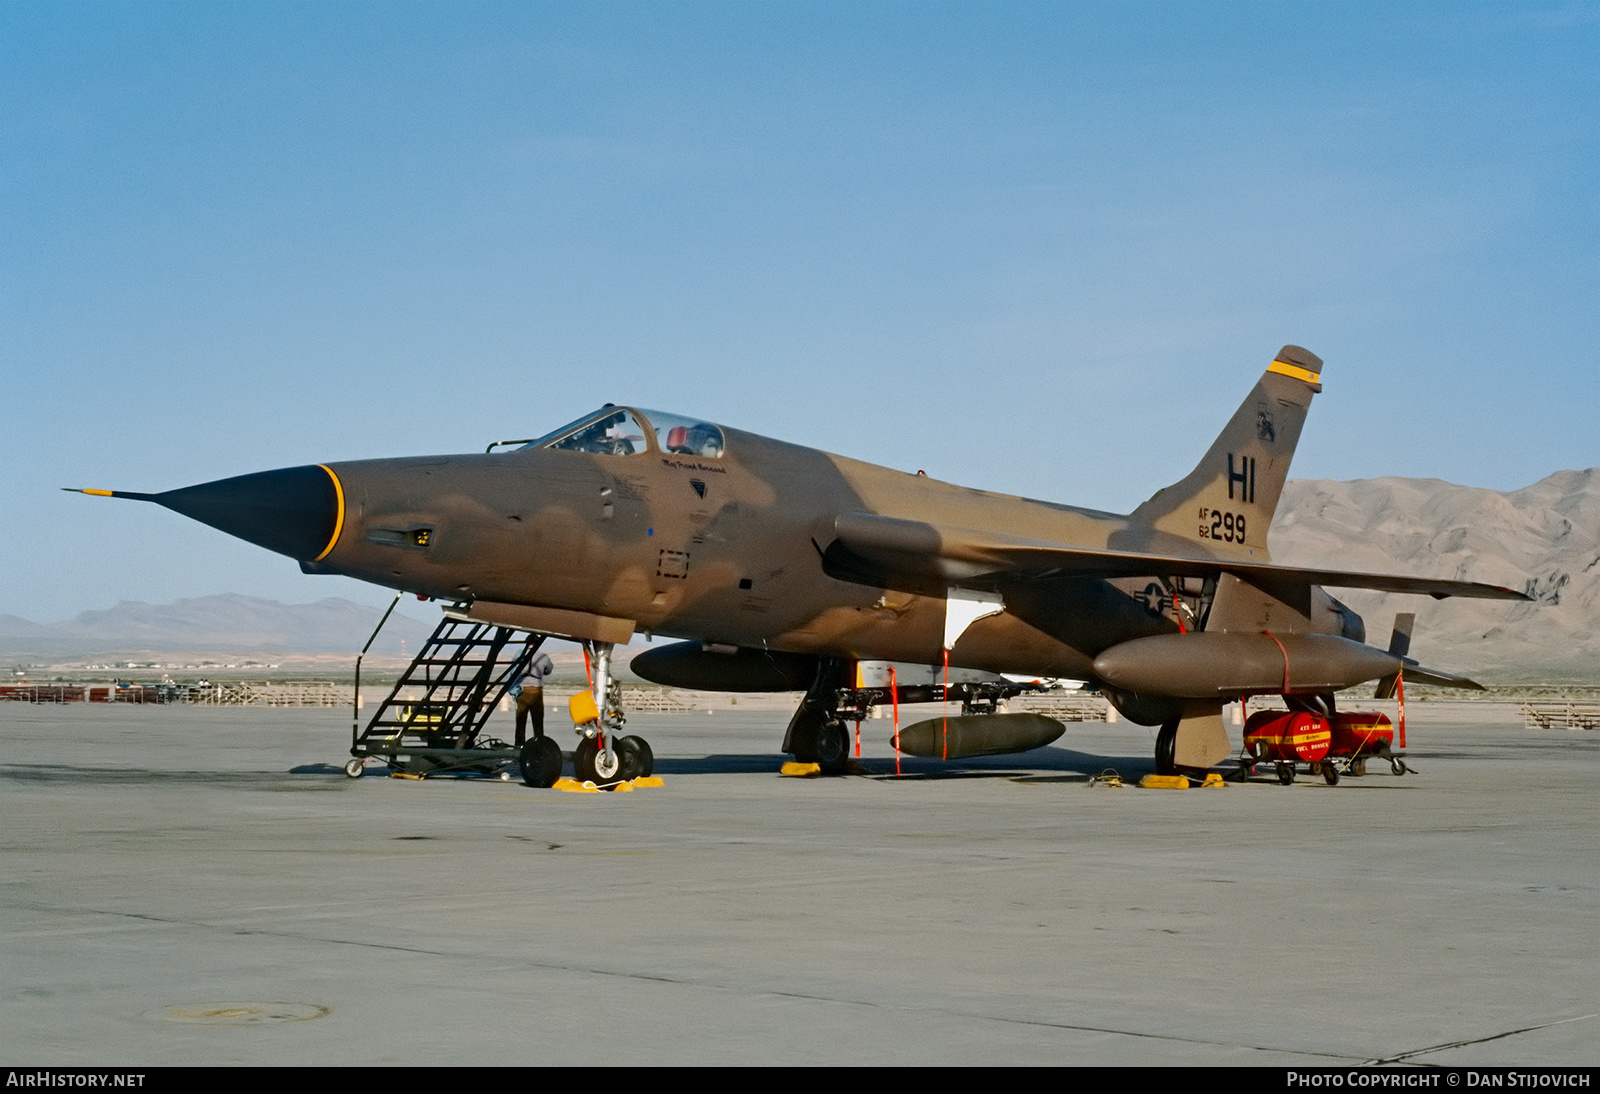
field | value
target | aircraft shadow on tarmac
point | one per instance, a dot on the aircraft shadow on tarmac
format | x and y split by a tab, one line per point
1051	765
1043	765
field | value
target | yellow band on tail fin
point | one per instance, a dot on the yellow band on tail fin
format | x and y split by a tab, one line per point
1283	368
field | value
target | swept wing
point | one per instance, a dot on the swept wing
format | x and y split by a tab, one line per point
920	556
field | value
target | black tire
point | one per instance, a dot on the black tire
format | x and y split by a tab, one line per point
640	761
627	760
803	741
1286	773
1397	765
1167	747
583	760
1330	773
833	748
540	759
1358	767
588	766
803	746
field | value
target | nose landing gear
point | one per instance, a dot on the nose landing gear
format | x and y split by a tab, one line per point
604	756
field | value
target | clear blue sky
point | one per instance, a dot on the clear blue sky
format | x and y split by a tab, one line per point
242	236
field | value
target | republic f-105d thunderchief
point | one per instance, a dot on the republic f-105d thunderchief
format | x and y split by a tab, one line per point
783	566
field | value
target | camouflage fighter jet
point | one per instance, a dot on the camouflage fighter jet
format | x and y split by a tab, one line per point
782	566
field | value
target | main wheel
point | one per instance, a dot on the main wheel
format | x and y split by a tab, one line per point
1166	748
805	738
541	762
637	757
833	747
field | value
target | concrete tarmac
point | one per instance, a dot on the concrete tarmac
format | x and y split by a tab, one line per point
185	885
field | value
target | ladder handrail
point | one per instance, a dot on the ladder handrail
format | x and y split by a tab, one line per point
455	689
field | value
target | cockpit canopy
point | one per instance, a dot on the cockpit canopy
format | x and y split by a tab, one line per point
622	431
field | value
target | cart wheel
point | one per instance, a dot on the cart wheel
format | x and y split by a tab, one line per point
1359	767
540	760
355	767
1286	773
1398	766
1330	773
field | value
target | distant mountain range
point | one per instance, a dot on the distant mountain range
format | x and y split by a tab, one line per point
1544	540
214	624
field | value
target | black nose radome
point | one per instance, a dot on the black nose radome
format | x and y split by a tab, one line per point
296	511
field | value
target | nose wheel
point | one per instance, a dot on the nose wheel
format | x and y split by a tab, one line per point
589	764
636	751
631	758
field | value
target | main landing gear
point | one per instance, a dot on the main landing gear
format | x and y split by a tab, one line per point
1166	744
817	732
1192	742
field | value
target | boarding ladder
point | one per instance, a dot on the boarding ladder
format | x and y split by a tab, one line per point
434	715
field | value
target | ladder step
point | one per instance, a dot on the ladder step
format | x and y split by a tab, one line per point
464	670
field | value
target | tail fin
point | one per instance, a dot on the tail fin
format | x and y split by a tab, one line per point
1228	500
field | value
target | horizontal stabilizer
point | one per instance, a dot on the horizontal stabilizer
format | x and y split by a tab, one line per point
1416	674
918	556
